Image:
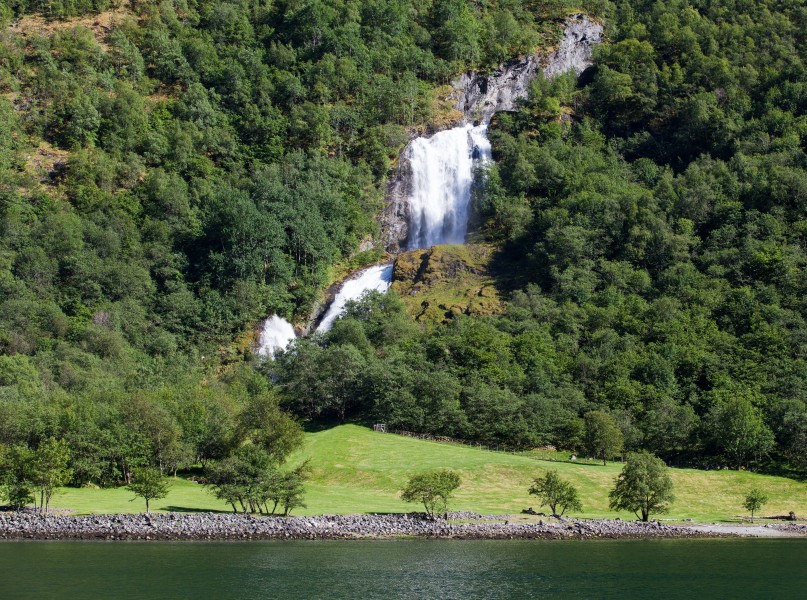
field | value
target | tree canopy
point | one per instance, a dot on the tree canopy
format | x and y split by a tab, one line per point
172	175
556	493
432	489
643	487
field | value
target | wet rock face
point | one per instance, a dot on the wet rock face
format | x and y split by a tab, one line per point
483	95
395	216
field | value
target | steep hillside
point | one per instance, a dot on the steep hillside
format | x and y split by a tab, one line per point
442	282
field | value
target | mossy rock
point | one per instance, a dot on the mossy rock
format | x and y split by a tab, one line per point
442	282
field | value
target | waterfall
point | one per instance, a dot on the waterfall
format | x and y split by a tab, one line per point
440	203
276	335
377	277
442	178
430	198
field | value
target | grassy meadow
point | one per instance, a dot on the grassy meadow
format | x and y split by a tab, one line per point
357	470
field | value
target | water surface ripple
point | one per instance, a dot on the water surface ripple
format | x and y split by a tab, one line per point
625	569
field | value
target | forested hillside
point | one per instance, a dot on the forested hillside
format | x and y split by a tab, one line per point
654	219
172	172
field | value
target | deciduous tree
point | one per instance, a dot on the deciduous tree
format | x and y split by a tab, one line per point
148	484
554	492
754	500
643	487
433	489
602	438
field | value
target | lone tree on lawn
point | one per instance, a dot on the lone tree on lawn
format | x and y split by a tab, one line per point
51	469
433	489
754	500
601	437
148	484
554	492
643	486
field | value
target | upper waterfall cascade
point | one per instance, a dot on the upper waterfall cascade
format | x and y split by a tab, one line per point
478	97
442	180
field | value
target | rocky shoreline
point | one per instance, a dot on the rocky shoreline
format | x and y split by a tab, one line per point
210	526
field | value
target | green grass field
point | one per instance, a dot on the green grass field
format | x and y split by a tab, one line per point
356	470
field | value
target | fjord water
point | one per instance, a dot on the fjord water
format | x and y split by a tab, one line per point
625	569
442	180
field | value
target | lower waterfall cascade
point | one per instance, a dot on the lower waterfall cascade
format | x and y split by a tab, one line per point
276	335
377	277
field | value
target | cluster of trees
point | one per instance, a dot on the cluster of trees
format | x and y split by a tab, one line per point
643	487
168	181
251	479
29	475
231	428
518	380
660	230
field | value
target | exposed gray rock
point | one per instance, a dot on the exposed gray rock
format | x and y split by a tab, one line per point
481	95
395	216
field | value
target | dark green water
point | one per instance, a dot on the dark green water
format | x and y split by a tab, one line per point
659	569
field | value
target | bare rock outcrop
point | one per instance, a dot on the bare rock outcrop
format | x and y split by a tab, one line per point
481	95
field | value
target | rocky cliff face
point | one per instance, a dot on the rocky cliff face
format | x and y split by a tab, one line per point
480	96
395	216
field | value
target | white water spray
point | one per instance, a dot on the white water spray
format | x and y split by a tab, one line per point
276	335
442	180
439	205
377	277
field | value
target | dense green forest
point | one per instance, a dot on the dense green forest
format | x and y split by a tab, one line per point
655	216
172	173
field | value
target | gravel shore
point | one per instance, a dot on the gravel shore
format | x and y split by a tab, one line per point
207	526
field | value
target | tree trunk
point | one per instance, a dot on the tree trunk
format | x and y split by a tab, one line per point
147	506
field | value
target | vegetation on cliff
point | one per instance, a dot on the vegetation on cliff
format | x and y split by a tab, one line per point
171	172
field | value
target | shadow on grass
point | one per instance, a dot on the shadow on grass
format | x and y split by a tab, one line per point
187	509
315	426
578	463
